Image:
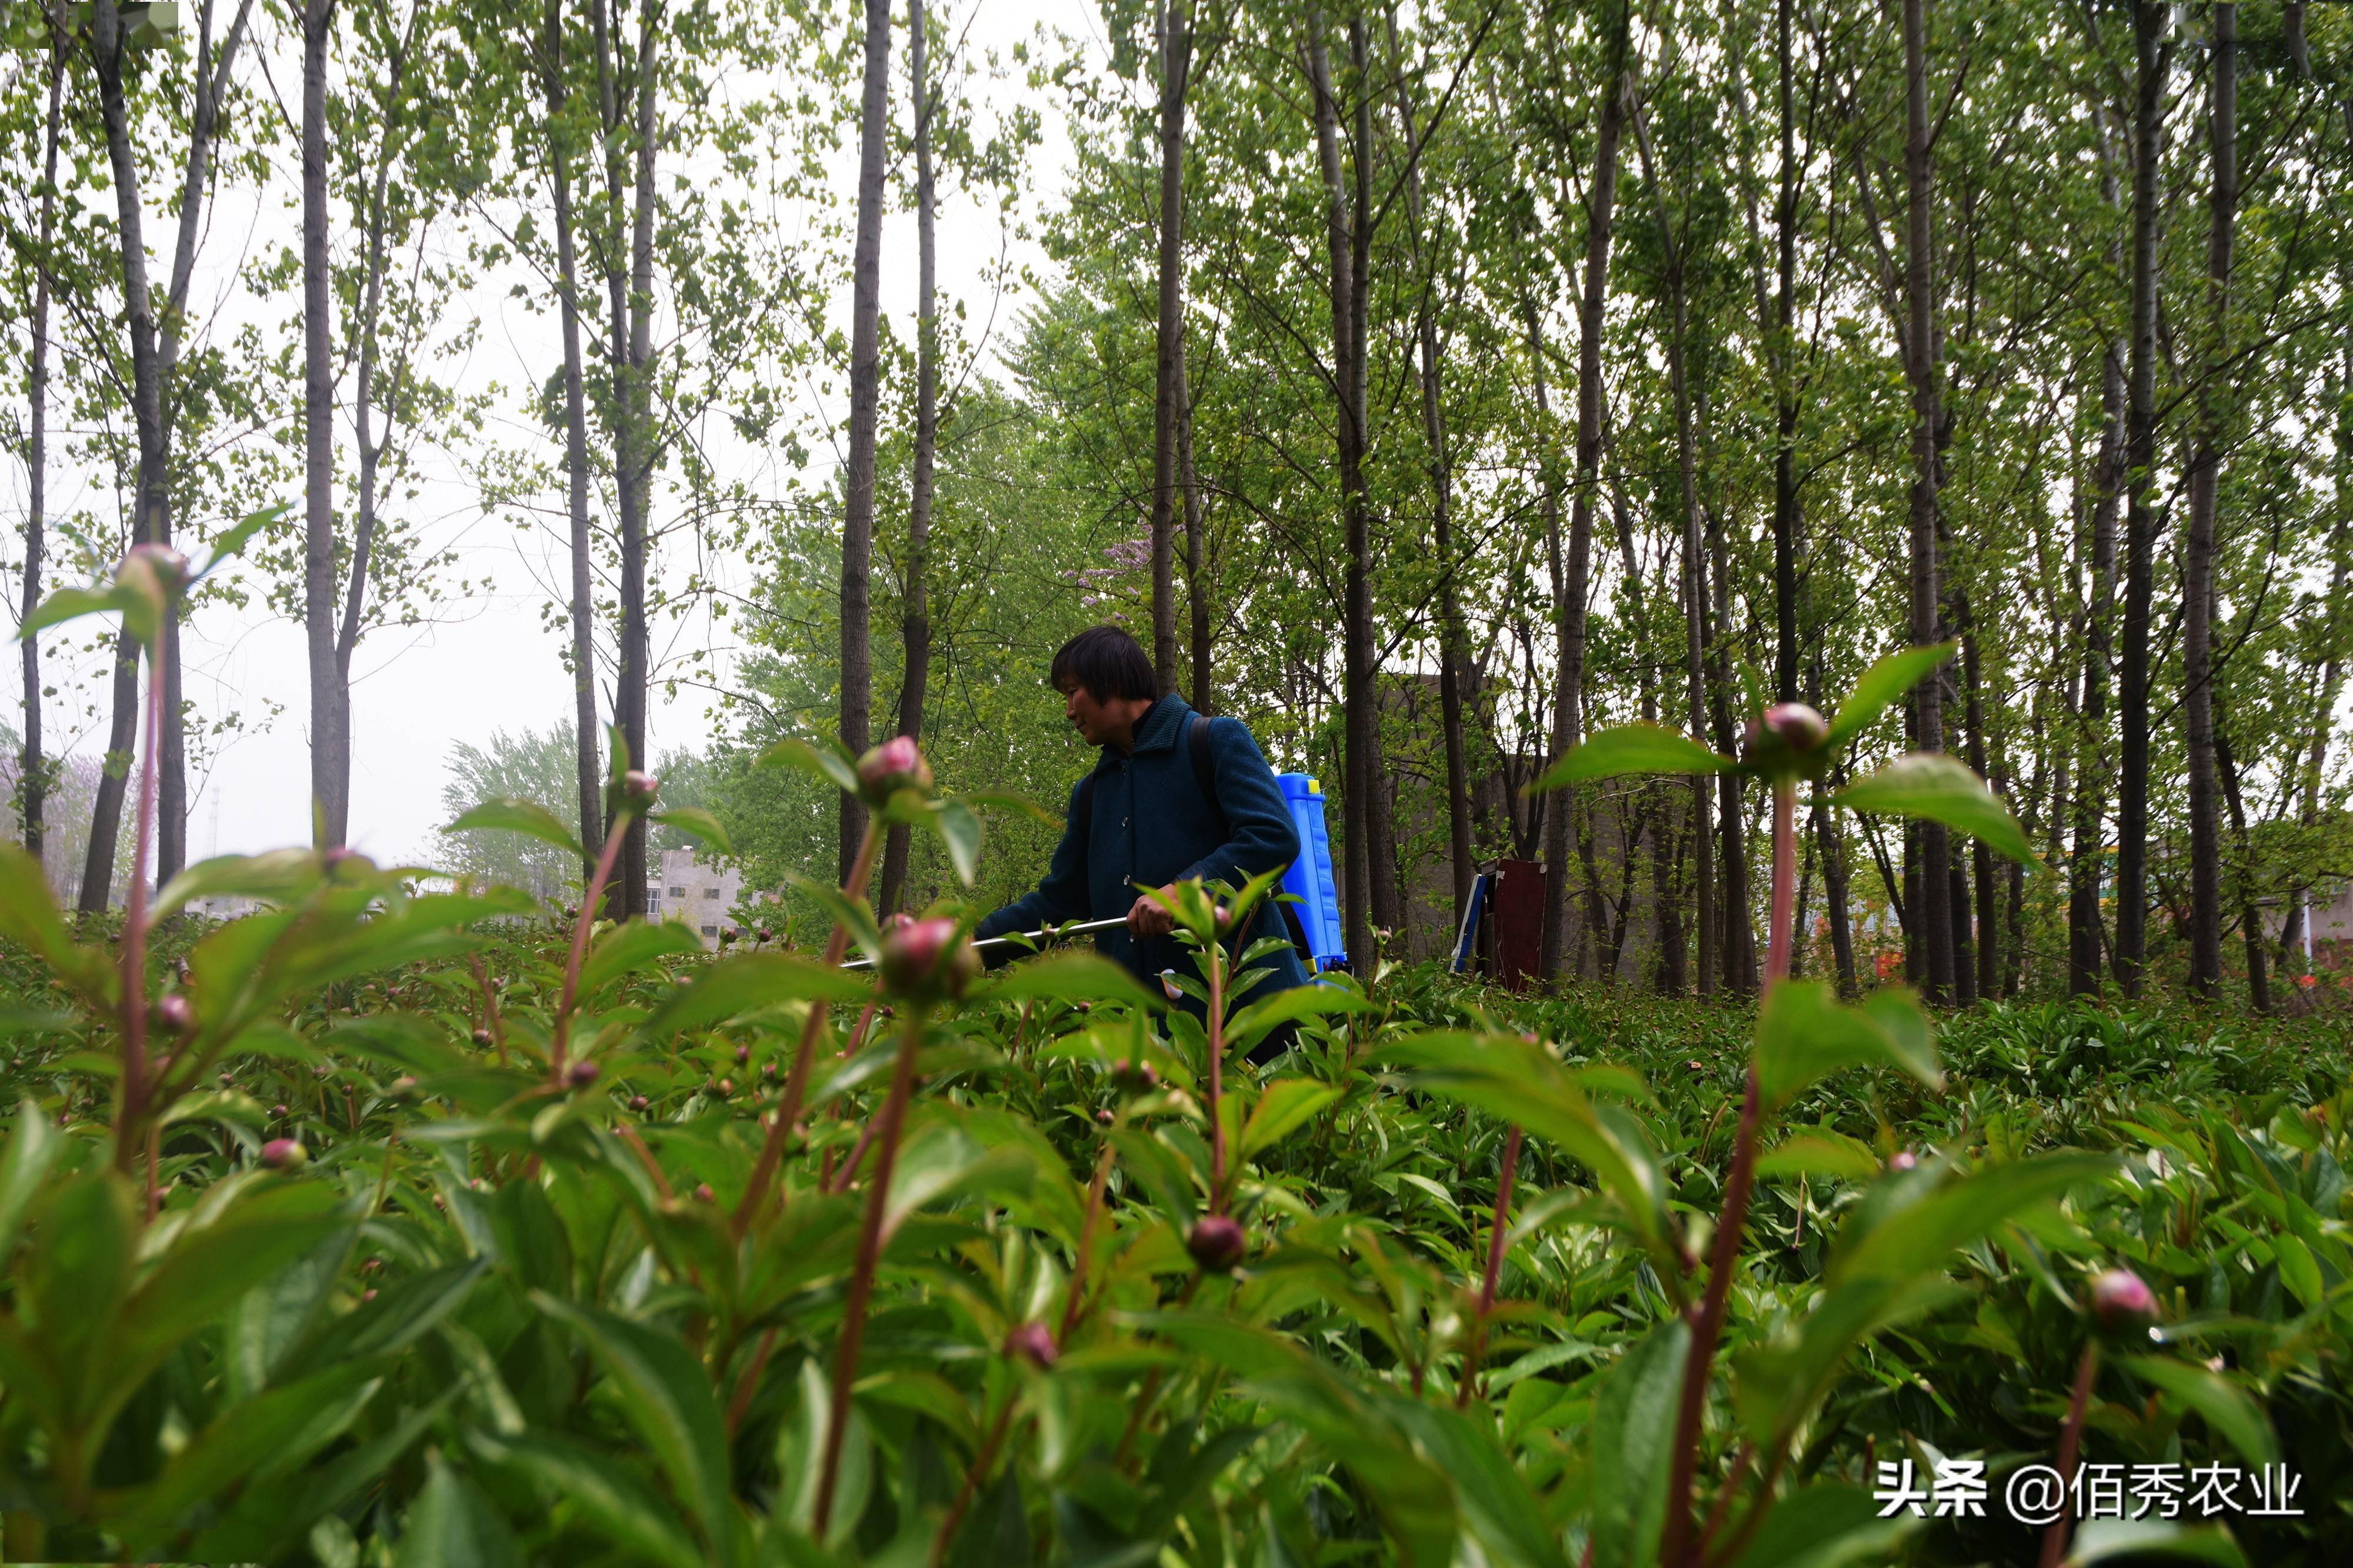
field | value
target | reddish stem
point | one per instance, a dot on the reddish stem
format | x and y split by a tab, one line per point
1495	1234
580	928
1707	1325
1215	1019
131	1111
749	1384
981	1462
1086	1245
870	1252
788	1110
2071	1440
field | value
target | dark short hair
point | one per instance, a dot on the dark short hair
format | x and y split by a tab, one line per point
1106	660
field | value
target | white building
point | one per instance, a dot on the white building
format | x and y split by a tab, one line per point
693	891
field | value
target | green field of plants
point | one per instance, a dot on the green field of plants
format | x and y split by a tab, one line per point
400	1226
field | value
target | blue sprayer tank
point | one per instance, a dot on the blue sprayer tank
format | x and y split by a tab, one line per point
1310	876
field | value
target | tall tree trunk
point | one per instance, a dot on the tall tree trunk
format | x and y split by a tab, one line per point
2198	562
1788	519
865	398
1833	851
1360	697
32	769
1988	945
915	619
154	341
1568	699
2153	52
2085	936
371	447
1937	930
587	753
2251	913
1176	62
1198	585
1693	560
330	810
1442	517
630	199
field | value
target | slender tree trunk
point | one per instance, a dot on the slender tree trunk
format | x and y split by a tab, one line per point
371	449
1788	516
1988	945
1370	882
2251	913
1569	720
1936	929
1833	852
154	341
329	809
1198	576
1176	62
2198	562
587	753
2087	936
2153	52
32	771
865	398
1694	562
915	619
1442	522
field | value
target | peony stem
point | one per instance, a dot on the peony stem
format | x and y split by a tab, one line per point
131	1107
788	1110
580	928
2071	1440
1495	1234
870	1253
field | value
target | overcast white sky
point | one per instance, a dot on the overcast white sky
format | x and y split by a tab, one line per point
487	662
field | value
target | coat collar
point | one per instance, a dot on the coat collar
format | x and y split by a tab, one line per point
1157	730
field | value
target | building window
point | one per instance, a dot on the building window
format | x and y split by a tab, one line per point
710	893
710	931
678	892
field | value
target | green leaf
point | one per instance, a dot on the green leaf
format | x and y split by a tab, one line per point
853	915
1493	1497
72	604
1070	977
29	918
1934	786
613	1501
1820	1154
1828	1526
730	987
1632	1433
1631	749
1252	1023
33	1151
693	819
1881	685
2298	1269
231	541
1805	1034
959	830
531	820
630	947
829	763
453	1525
276	1432
1282	1107
666	1394
2102	1540
2228	1411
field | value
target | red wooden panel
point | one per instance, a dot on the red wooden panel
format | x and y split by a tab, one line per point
1518	909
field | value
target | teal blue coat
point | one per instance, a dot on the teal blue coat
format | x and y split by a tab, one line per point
1149	824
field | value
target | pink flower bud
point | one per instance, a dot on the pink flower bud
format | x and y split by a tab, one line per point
640	788
582	1073
1217	1244
481	1037
726	1087
366	1296
404	1087
1787	737
726	935
638	1103
743	1053
156	573
928	959
284	1153
173	1013
1903	1159
702	1193
894	766
2121	1299
277	1111
1135	1077
1103	1117
1032	1342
